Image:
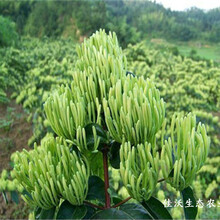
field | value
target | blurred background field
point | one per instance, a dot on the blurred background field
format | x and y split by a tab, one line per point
178	50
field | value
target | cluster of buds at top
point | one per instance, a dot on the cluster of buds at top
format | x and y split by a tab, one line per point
185	151
102	61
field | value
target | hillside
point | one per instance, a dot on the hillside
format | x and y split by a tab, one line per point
131	20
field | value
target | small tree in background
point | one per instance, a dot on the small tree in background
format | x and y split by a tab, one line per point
8	34
108	115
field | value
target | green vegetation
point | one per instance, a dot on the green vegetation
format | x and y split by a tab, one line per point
89	116
131	20
79	98
183	77
8	35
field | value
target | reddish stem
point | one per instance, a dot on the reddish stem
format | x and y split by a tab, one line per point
94	205
106	177
122	202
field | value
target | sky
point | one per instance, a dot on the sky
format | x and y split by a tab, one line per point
180	5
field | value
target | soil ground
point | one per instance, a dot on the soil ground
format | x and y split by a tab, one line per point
14	134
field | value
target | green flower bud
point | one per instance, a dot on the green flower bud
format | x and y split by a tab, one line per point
185	152
11	186
3	185
4	174
139	170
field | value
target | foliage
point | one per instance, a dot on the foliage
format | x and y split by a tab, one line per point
32	71
8	35
132	20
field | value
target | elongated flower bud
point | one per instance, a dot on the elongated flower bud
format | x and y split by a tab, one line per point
134	110
139	170
184	153
50	172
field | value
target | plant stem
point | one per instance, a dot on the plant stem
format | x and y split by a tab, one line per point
106	177
93	205
122	202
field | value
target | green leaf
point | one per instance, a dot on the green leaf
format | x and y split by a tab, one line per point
96	189
90	212
135	211
14	197
156	209
111	214
37	212
89	134
69	211
116	200
47	214
96	159
114	155
190	212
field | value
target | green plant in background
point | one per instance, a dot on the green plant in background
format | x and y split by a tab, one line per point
107	111
10	185
32	72
8	34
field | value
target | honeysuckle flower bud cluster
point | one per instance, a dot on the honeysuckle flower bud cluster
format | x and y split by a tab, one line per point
130	111
50	172
134	110
139	170
69	113
185	151
101	58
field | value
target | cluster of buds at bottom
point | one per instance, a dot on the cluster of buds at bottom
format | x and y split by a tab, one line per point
51	172
185	152
139	170
134	110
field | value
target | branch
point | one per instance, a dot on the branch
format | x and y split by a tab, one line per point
106	178
93	205
122	202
